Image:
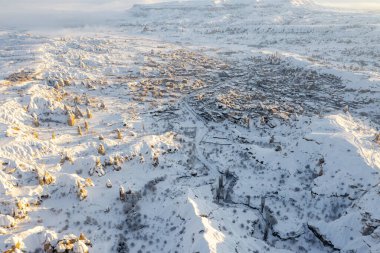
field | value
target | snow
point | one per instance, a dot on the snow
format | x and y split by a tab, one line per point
6	221
231	126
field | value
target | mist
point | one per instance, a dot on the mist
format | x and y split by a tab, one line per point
26	14
351	4
58	13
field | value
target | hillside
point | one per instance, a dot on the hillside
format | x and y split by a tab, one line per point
193	127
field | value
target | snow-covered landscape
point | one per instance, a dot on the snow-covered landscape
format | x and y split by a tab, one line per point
197	126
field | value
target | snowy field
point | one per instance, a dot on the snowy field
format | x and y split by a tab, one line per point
236	127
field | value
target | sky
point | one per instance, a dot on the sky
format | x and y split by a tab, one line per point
95	5
57	13
71	5
47	13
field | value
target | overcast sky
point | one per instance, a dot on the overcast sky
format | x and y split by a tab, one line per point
43	13
69	5
56	13
91	5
